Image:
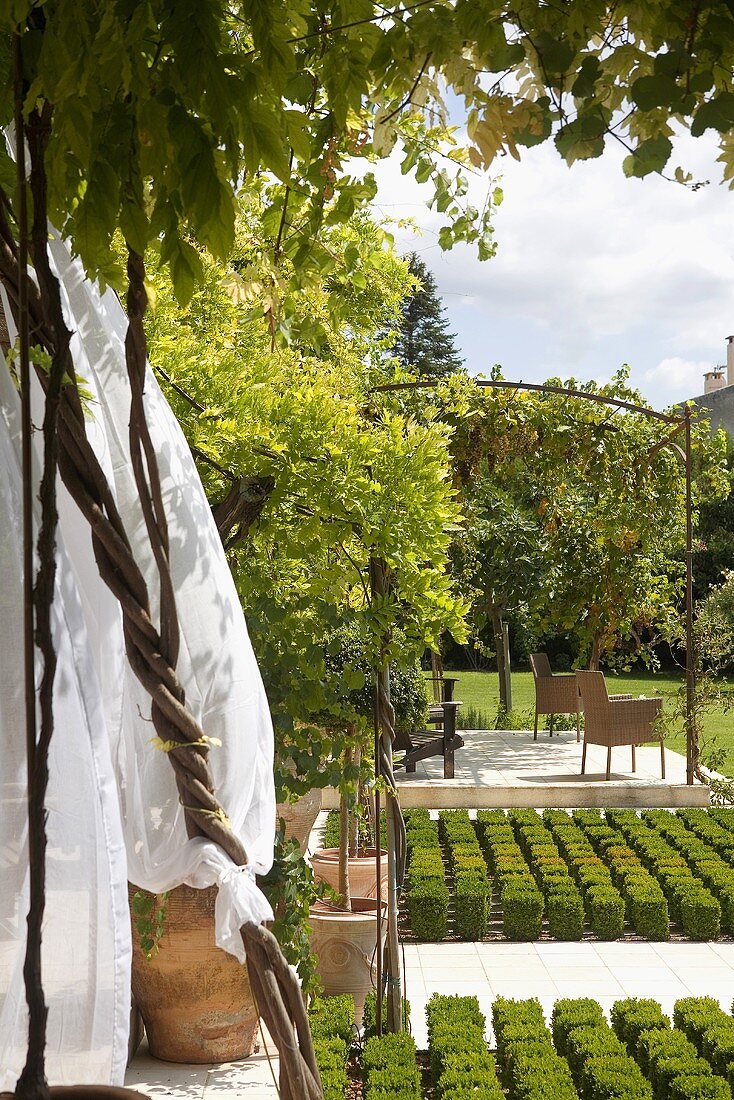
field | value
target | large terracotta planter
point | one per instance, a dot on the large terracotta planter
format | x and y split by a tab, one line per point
194	998
362	871
344	946
300	817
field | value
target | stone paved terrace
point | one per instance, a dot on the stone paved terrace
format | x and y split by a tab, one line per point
504	768
605	971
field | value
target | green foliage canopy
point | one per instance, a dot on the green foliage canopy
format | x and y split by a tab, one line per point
346	481
160	111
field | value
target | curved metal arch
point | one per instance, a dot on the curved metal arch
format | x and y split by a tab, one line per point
681	422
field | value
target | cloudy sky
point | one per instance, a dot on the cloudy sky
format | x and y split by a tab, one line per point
592	270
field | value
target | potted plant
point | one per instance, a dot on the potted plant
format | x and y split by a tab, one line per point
344	934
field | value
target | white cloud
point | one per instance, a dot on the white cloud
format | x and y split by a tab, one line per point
592	270
674	375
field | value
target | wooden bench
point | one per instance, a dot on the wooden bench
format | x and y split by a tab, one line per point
441	740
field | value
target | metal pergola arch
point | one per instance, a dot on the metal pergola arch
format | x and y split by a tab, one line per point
680	422
388	977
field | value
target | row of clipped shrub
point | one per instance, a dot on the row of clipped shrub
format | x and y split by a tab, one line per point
645	905
710	1030
461	1065
603	903
709	859
582	1057
390	1069
426	892
332	1029
520	898
666	1057
472	890
564	906
530	1067
689	901
600	1064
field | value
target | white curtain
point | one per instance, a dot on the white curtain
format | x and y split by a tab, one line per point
128	782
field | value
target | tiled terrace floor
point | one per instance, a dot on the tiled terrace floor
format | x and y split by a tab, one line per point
501	768
606	971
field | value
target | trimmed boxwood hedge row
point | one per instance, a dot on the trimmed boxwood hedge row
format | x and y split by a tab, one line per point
635	1016
707	848
645	904
531	1069
563	903
332	1028
709	1028
390	1069
461	1065
600	1065
520	898
427	895
603	903
604	868
469	868
688	899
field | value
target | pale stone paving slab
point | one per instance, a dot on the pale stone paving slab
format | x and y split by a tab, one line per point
501	768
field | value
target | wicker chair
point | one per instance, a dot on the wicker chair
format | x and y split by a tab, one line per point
553	694
616	719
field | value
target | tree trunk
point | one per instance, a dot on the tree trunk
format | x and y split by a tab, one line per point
345	899
354	820
507	664
499	646
595	656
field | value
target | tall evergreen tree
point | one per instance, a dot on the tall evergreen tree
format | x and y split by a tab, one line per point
424	345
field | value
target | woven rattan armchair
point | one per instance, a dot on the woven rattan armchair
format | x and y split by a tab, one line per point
616	719
553	694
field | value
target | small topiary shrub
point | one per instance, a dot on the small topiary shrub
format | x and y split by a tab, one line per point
332	1016
635	1016
428	908
614	1078
695	1015
667	1070
605	910
472	907
699	1088
571	1013
565	911
522	909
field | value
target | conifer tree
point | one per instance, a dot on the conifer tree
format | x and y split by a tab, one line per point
424	344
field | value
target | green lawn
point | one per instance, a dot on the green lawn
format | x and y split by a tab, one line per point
480	691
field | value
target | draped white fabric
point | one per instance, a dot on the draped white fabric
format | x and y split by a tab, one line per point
108	782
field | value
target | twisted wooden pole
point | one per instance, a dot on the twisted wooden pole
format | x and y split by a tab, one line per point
152	653
396	839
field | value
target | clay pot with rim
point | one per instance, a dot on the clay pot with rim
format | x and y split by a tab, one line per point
344	945
362	871
195	999
300	816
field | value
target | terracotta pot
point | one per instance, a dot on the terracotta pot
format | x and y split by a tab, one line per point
344	945
194	998
362	871
300	817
